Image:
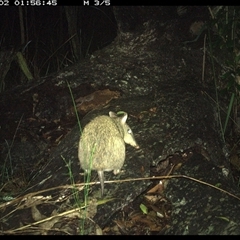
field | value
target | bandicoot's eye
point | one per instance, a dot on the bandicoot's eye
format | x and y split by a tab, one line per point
129	131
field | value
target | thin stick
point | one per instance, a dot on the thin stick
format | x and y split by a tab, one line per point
22	198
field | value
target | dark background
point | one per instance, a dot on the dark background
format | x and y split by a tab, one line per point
47	42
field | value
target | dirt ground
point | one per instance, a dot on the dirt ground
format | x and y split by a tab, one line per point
166	84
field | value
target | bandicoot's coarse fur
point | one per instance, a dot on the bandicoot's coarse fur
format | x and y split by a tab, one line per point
102	144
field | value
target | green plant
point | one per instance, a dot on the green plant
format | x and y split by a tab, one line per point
7	168
226	24
87	177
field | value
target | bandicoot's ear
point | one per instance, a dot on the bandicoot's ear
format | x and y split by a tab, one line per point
112	114
124	118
